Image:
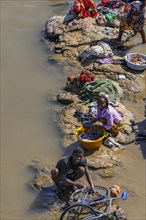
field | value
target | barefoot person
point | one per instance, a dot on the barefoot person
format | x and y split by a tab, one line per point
70	169
132	20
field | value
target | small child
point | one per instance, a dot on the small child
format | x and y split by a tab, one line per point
111	119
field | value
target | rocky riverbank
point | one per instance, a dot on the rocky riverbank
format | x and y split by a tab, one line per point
77	47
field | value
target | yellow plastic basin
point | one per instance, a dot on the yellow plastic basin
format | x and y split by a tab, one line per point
90	144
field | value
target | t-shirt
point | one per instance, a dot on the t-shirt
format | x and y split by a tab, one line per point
66	167
110	114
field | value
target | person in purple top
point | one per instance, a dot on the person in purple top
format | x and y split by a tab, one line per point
111	119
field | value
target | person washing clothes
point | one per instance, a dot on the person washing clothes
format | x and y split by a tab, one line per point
133	19
70	169
111	119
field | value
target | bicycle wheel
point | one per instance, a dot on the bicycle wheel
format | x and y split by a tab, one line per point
78	212
85	195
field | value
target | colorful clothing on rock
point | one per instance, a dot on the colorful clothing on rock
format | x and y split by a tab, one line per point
133	19
84	8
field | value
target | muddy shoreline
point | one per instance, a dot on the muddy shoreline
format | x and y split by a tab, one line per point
131	98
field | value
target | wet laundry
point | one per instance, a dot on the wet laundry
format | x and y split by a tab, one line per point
109	60
91	135
90	90
84	8
83	117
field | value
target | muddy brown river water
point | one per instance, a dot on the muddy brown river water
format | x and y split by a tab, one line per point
27	128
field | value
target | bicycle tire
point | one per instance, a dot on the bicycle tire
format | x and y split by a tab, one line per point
87	196
77	212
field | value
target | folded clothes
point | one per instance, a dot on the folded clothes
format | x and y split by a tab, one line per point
106	60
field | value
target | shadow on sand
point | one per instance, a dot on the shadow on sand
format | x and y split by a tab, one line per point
45	200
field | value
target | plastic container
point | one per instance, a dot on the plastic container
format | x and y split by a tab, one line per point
132	65
91	144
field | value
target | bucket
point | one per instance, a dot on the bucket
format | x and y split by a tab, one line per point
91	144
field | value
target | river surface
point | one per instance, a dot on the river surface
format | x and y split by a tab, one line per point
27	129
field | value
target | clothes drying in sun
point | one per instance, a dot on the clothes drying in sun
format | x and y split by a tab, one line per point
84	8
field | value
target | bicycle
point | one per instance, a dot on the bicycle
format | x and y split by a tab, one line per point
87	209
86	195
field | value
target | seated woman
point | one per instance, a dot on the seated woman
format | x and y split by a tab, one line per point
133	19
111	119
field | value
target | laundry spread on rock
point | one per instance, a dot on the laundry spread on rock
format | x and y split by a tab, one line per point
84	8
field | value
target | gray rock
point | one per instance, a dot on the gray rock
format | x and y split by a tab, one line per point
74	41
67	97
42	179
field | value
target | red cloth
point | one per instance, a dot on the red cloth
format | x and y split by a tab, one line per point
85	76
85	8
105	1
111	4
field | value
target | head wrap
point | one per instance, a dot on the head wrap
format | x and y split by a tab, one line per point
103	95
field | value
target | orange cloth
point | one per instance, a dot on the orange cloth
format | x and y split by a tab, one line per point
85	8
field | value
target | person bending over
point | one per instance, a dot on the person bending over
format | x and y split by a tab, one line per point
133	19
70	169
111	119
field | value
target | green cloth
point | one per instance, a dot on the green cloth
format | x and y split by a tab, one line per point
90	90
109	17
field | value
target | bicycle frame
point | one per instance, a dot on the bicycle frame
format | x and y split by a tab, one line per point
103	192
85	198
109	211
76	210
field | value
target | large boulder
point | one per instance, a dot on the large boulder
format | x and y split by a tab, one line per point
71	42
85	32
42	178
